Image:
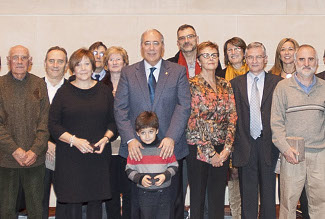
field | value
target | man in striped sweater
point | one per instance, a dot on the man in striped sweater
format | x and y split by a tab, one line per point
298	111
152	173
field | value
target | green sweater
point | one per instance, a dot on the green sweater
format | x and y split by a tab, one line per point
24	108
297	114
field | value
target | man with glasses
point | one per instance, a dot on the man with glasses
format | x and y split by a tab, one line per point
187	41
254	152
24	107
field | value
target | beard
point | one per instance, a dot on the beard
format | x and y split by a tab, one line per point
188	47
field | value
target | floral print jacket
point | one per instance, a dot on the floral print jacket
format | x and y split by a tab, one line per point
213	116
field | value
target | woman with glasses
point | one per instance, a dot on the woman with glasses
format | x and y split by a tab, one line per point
234	51
210	134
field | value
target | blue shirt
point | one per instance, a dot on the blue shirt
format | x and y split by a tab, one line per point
305	88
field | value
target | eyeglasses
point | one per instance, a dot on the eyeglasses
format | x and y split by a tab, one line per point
101	54
236	49
189	37
208	56
16	58
258	58
149	43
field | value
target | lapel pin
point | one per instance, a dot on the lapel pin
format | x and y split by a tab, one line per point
166	73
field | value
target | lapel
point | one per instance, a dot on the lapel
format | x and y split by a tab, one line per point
267	88
243	89
162	79
140	74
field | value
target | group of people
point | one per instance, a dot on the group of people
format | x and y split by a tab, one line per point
145	131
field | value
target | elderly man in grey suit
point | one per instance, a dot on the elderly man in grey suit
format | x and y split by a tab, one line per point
159	86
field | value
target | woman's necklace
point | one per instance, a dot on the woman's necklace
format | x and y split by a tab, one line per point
289	75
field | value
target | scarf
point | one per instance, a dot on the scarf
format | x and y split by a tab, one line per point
182	61
231	72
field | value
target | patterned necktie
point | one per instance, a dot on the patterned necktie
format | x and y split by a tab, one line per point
97	77
255	111
152	84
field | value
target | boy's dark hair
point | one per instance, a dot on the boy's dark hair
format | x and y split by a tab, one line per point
146	119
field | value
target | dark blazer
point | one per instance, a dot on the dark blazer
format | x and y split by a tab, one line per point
242	145
172	104
321	75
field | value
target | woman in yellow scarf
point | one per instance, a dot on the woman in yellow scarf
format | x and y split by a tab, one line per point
234	50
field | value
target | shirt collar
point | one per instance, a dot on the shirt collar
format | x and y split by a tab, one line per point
147	66
305	88
48	83
260	76
102	74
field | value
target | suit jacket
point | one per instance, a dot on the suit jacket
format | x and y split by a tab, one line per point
321	75
172	104
242	143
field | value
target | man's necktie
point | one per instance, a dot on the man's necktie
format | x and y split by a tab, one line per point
97	77
152	84
255	111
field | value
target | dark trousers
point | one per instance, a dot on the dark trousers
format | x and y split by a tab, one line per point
154	204
205	179
74	210
120	184
48	180
257	175
177	208
32	183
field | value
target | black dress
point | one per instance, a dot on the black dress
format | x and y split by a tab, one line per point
87	114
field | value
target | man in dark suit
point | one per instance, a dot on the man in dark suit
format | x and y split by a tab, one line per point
154	85
55	64
254	152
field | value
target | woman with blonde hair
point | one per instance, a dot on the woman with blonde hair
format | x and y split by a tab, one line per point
284	64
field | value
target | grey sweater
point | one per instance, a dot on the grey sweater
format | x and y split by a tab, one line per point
24	109
297	114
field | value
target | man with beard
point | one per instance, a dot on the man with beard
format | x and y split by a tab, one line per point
298	111
187	41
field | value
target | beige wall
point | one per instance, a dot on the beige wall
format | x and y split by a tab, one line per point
40	24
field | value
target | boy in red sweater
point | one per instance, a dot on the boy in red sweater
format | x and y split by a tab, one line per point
152	174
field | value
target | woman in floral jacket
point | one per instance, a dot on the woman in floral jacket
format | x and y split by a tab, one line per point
210	134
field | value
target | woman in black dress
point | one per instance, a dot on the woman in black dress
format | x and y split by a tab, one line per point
82	123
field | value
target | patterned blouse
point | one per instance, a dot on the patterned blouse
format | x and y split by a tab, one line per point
213	116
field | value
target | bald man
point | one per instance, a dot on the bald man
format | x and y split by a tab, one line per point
298	111
24	107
